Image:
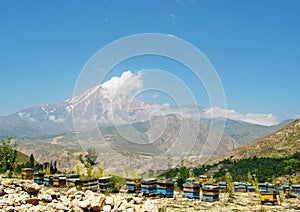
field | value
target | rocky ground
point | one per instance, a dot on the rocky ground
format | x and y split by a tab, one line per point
16	195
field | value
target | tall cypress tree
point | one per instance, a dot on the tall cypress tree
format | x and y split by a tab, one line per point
55	167
31	161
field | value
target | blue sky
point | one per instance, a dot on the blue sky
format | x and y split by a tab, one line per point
253	45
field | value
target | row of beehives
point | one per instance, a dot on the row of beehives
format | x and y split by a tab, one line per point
152	186
209	191
72	180
287	189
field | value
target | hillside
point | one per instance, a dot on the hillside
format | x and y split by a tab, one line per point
22	158
284	142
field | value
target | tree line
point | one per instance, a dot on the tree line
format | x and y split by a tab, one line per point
264	169
10	165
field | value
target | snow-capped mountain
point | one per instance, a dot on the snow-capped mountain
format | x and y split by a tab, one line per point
111	119
114	103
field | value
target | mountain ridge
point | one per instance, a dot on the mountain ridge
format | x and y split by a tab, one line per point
281	143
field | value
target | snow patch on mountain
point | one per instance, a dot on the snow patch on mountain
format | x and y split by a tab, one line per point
55	119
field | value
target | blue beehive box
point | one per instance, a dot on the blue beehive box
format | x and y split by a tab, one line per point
242	187
236	186
148	186
210	193
48	180
39	178
191	190
223	186
281	189
296	189
250	188
133	184
263	187
165	188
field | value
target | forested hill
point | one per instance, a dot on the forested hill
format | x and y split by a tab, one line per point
285	142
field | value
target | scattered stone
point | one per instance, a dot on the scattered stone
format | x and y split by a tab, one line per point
32	188
107	208
96	206
84	204
33	201
71	191
109	201
45	197
9	191
28	196
130	210
138	200
10	209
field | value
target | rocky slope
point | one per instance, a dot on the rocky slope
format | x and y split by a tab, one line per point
27	196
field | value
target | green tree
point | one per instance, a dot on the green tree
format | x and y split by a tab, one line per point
99	172
89	160
8	156
55	167
291	166
31	161
170	164
92	156
230	186
51	168
78	169
250	177
154	173
182	174
255	184
191	174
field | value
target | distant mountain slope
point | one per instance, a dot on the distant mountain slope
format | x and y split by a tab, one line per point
284	142
244	132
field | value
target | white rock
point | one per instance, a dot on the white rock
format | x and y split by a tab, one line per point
71	191
130	210
10	209
38	208
32	188
45	197
9	190
149	206
109	201
95	206
83	204
138	200
75	203
6	183
107	208
89	194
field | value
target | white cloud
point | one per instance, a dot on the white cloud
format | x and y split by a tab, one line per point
118	98
127	84
254	118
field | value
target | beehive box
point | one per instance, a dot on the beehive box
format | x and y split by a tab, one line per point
133	184
210	193
105	184
149	186
191	190
27	173
165	188
39	178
